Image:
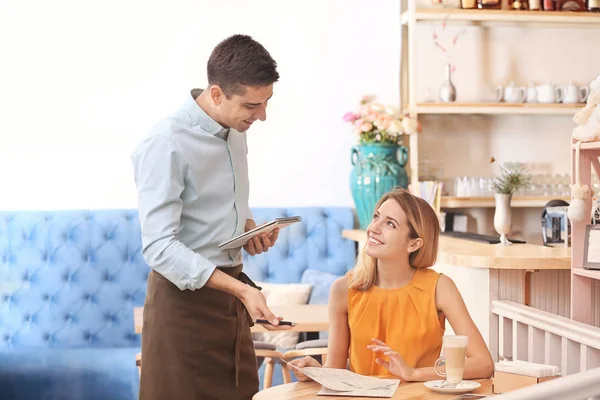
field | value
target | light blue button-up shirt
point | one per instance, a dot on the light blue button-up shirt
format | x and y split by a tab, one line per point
192	181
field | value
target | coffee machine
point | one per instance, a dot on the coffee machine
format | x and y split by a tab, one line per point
556	227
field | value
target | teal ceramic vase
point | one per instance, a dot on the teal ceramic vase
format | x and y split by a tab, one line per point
377	168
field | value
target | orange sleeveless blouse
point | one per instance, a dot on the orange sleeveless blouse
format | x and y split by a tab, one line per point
406	319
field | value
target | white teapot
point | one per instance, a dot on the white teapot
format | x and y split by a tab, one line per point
547	93
531	93
512	93
572	93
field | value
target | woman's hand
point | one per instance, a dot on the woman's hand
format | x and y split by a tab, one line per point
300	363
396	365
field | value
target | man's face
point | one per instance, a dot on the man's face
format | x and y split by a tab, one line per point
240	111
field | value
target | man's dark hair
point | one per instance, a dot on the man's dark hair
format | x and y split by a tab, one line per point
239	61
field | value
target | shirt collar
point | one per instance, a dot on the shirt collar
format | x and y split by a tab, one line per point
201	118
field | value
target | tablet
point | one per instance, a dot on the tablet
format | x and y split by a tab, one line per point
242	239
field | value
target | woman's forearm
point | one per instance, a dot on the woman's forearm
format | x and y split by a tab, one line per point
475	368
478	368
336	362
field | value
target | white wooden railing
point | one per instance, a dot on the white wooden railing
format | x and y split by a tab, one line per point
528	334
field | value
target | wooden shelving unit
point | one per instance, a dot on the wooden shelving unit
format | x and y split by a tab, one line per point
584	283
412	17
589	146
498	108
488	202
588	273
559	18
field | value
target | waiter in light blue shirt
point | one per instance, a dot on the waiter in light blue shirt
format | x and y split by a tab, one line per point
191	174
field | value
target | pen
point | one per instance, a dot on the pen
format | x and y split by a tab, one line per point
264	321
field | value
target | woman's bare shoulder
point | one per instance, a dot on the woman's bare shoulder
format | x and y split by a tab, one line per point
338	294
446	285
340	286
446	293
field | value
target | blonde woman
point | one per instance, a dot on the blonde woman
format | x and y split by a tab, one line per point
387	315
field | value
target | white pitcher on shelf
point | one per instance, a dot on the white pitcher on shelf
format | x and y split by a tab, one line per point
573	94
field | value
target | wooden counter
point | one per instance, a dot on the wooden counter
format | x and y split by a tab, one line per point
468	253
517	256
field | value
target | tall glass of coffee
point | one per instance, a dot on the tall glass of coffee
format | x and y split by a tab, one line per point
455	350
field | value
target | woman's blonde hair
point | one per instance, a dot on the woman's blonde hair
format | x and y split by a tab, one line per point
422	223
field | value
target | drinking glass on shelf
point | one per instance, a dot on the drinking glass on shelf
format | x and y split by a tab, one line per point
534	188
547	185
472	186
487	188
546	180
460	186
550	185
566	184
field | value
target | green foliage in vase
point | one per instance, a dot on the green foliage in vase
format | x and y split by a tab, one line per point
512	177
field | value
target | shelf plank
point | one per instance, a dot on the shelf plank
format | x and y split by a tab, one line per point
498	108
565	18
588	273
488	202
589	145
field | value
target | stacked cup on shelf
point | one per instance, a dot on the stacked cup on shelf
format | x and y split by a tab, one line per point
545	185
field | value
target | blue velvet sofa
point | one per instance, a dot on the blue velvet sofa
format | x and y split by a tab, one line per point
69	281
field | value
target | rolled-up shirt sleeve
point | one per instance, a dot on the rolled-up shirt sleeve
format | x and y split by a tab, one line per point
159	172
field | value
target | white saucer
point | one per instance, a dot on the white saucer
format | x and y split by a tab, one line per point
463	387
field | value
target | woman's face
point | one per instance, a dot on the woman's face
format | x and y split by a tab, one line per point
388	232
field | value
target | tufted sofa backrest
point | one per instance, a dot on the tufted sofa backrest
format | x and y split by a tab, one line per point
72	278
316	243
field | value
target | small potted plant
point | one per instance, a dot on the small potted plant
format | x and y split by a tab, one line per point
512	178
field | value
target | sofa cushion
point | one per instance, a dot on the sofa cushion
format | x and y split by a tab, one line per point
283	294
320	282
258	345
312	344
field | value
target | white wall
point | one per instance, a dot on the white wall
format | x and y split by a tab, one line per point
82	81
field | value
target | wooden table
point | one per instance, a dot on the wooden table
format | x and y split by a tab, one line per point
308	318
406	391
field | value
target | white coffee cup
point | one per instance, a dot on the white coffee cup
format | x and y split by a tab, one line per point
455	351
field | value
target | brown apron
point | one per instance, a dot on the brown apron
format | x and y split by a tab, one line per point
196	345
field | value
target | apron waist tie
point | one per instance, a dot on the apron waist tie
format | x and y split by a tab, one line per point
241	311
238	339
